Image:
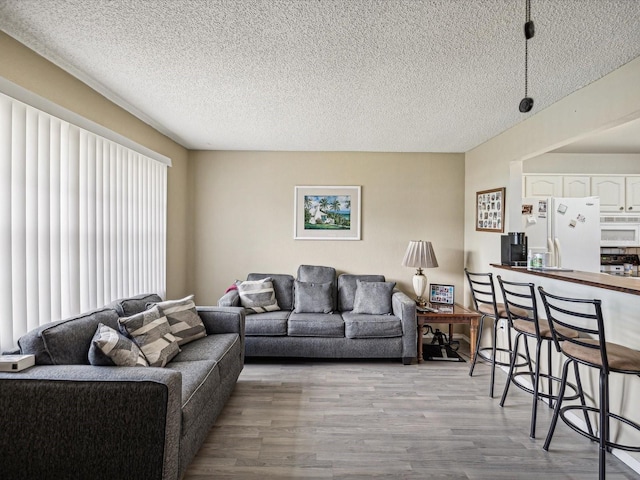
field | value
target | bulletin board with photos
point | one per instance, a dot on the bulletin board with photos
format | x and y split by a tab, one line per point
490	210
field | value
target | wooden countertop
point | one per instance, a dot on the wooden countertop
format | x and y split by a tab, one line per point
622	284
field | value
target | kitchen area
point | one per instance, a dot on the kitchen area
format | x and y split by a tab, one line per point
576	233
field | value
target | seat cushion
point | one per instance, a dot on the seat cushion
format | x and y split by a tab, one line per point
358	325
267	324
487	309
347	285
200	379
619	357
529	328
315	325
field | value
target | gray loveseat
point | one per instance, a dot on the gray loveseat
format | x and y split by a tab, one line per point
295	330
67	419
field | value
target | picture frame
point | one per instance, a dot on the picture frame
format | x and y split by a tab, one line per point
327	212
439	293
490	210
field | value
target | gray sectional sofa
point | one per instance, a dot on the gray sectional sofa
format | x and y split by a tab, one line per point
304	326
67	419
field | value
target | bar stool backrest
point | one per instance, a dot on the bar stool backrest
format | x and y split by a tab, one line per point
483	293
520	302
582	315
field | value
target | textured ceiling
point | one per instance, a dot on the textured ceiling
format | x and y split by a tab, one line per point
353	75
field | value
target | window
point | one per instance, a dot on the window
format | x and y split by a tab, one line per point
82	220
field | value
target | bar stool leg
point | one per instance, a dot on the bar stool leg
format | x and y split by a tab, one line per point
493	358
582	400
512	367
604	423
479	336
556	411
549	372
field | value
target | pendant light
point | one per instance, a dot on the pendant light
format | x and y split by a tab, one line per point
526	104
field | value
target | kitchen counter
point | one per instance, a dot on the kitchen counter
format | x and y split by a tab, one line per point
619	283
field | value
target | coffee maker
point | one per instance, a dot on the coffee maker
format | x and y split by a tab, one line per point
514	249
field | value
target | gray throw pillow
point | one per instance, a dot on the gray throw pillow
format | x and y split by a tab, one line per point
184	321
258	296
111	348
150	330
373	297
311	297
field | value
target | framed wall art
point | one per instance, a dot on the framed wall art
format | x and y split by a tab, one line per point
490	210
327	213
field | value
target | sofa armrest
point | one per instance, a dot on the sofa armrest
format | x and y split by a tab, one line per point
223	319
82	421
405	309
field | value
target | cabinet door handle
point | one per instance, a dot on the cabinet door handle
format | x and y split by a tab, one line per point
621	208
630	208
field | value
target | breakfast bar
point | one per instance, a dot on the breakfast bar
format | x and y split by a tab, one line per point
620	296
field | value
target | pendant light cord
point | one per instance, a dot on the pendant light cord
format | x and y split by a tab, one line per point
526	49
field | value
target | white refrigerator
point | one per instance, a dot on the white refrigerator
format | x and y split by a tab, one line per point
567	228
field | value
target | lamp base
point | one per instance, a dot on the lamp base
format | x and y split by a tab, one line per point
419	286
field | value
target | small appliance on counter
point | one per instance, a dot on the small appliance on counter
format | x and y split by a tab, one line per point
514	249
619	264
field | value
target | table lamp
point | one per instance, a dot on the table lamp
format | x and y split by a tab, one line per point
419	255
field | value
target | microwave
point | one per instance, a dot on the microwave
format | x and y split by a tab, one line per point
622	231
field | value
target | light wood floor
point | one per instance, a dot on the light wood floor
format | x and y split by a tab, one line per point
381	419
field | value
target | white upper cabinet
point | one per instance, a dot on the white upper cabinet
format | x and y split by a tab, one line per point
576	185
632	188
611	191
543	186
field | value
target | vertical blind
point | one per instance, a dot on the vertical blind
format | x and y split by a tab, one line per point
82	220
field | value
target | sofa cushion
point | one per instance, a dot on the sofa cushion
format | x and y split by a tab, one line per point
282	284
132	305
267	324
258	296
200	380
231	298
373	297
347	285
224	348
358	325
184	321
313	297
319	274
315	325
152	333
66	342
111	348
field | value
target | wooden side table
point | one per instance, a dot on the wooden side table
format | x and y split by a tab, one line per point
450	314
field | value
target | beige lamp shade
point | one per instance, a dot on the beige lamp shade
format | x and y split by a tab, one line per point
419	255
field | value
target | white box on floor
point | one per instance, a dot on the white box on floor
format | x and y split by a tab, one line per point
15	363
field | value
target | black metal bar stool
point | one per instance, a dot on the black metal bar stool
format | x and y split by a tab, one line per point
585	316
522	311
484	300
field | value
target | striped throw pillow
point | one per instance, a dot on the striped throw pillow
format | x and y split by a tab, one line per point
184	321
150	330
111	348
258	296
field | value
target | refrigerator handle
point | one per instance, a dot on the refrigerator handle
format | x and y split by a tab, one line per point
552	253
558	252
